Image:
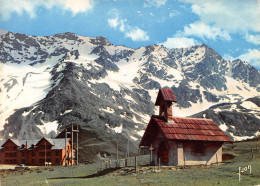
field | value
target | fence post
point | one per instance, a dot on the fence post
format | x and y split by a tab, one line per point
126	162
109	163
252	153
184	161
239	173
135	164
102	164
159	162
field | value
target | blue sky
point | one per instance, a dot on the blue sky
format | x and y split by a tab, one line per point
231	27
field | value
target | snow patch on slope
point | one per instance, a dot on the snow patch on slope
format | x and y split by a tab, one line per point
48	127
22	86
240	138
249	105
223	127
115	129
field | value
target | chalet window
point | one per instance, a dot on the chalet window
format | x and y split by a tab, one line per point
198	149
23	154
41	160
15	154
33	161
15	161
48	153
48	160
42	154
49	146
6	148
14	147
23	161
33	153
57	160
42	147
6	154
6	161
57	154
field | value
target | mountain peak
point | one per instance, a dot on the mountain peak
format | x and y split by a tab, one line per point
100	41
67	35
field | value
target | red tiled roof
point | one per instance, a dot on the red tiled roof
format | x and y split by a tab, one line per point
167	94
185	129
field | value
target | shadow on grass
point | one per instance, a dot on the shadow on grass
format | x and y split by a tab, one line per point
98	174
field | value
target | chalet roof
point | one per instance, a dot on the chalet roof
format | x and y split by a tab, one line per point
29	142
58	143
50	140
187	129
166	94
16	142
1	143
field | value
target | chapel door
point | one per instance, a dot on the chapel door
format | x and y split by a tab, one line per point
163	153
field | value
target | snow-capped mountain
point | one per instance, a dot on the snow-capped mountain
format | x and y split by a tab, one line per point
49	82
241	120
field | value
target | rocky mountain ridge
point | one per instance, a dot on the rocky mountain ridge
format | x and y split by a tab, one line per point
52	81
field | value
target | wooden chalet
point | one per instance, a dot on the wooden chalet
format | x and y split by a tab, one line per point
36	152
181	141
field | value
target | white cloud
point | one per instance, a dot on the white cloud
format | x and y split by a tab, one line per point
252	56
219	19
113	22
179	42
7	7
133	32
155	3
136	34
228	57
139	12
182	38
231	15
253	39
204	31
77	6
173	13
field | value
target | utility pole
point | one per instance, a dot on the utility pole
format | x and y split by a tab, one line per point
45	152
71	144
117	162
66	151
66	146
128	147
77	145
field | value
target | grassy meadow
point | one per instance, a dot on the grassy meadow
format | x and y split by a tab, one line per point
225	173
